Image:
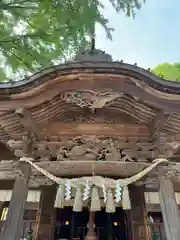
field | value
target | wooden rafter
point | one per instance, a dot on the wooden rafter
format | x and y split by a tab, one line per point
4	136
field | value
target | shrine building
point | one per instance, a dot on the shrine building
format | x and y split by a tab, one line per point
90	149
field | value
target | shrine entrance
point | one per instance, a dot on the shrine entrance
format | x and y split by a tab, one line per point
73	225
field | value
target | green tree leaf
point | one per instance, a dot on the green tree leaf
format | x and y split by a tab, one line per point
168	71
34	34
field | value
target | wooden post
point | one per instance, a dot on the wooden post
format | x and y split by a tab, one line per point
169	208
1	212
73	219
13	226
109	227
44	228
139	215
1	207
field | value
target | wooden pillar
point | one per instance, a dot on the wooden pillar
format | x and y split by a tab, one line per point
109	227
1	212
139	215
73	219
13	226
44	228
1	207
169	207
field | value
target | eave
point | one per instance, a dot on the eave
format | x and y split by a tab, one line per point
134	71
148	101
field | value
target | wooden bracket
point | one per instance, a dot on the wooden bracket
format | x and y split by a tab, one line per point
33	134
159	122
27	121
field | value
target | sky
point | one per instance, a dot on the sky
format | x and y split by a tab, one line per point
152	38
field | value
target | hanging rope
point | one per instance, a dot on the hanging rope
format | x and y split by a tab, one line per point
96	180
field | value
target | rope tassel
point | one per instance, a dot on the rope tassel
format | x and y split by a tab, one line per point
110	204
126	202
78	204
59	202
95	200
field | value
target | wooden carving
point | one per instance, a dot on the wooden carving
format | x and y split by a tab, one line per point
90	99
92	148
89	148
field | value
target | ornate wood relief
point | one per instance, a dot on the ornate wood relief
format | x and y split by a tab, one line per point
92	148
90	99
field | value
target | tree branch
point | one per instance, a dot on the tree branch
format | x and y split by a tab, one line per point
7	6
23	37
23	62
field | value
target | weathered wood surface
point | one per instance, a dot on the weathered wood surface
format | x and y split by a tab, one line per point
12	227
96	147
55	130
73	129
101	104
58	108
44	228
26	120
169	207
111	79
139	217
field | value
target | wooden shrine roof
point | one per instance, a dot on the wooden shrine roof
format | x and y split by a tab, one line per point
131	114
143	97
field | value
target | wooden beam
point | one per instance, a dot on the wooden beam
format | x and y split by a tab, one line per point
13	226
44	227
169	207
6	184
81	168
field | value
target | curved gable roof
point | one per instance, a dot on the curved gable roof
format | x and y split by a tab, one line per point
145	76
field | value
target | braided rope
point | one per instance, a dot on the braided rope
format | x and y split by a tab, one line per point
95	180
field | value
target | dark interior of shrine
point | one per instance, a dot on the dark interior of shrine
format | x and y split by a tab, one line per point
73	225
